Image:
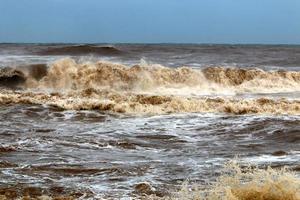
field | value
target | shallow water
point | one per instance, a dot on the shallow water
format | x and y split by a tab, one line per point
109	154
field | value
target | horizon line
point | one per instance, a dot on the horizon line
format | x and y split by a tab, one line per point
152	43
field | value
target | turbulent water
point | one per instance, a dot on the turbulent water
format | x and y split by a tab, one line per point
104	121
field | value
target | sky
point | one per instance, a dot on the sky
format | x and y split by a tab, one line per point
150	21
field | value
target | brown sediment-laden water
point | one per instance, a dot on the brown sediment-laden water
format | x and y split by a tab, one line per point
127	121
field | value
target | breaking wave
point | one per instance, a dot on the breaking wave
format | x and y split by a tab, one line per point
17	77
11	78
152	89
91	99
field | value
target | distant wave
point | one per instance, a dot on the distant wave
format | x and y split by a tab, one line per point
151	89
80	50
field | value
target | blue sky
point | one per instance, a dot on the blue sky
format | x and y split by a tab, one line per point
150	21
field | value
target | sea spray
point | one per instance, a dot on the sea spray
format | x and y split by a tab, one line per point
244	183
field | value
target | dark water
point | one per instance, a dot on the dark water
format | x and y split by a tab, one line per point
107	154
263	56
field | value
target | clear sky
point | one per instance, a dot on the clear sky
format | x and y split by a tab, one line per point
150	21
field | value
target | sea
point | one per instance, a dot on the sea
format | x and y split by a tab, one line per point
119	121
